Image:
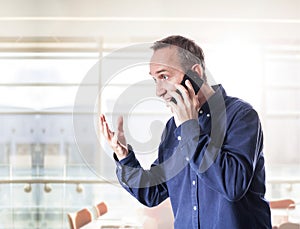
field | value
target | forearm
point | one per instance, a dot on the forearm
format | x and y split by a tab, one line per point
147	186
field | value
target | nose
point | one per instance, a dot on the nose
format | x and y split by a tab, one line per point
160	90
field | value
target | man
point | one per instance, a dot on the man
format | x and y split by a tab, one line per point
210	160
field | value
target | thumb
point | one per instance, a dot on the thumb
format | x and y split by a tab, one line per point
120	124
120	131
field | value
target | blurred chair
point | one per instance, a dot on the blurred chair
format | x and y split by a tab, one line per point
289	226
84	216
280	211
282	204
20	161
80	218
54	160
100	209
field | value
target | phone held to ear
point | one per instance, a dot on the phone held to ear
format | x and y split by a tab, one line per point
195	80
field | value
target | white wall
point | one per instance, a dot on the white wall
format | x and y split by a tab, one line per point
265	20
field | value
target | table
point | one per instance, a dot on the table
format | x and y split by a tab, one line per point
112	224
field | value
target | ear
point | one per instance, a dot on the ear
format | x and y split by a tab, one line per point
197	68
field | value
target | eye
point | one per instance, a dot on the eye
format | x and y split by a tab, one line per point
164	77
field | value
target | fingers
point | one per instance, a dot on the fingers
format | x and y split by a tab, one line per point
101	123
190	87
116	140
185	96
192	94
176	96
104	129
120	132
120	124
186	105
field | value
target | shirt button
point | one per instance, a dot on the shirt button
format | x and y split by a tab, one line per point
208	115
119	166
195	208
179	138
201	111
187	158
194	182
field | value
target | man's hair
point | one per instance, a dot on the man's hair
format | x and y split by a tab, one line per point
189	52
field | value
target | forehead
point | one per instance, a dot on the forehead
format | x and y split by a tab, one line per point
167	57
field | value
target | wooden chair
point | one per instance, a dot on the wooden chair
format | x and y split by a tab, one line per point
282	204
289	226
100	209
84	216
80	218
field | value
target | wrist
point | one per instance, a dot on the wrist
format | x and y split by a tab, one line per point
123	152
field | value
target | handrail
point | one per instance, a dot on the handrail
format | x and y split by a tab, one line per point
283	181
41	180
57	181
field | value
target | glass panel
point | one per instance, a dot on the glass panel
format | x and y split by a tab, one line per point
48	174
38	146
283	101
282	126
37	98
45	70
283	71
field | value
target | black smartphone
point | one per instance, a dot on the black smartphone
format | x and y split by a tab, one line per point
194	78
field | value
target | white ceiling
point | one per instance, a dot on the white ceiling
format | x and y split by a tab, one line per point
275	21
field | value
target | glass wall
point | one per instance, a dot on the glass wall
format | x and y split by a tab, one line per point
50	162
41	166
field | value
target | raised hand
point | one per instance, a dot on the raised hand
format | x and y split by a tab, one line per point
116	140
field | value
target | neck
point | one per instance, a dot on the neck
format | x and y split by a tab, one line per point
205	93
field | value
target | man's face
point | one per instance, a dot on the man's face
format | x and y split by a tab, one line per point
166	71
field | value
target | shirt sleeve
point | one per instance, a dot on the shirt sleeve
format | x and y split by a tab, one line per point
147	186
225	162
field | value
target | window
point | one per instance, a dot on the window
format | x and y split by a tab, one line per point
44	172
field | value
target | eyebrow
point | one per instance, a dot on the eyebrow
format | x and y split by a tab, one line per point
159	71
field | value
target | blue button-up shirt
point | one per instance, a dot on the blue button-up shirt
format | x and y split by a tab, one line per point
211	168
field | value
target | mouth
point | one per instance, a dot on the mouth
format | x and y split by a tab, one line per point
168	99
